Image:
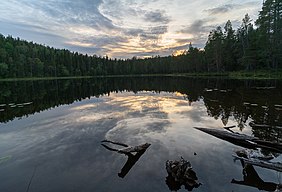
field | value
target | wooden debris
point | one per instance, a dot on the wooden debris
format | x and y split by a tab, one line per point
229	128
128	151
252	179
28	103
113	142
180	173
252	124
263	162
264	88
243	140
135	148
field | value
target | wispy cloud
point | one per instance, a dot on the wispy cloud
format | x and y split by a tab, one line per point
221	9
156	17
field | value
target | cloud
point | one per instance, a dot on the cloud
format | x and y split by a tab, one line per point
33	33
118	28
220	10
156	17
134	32
153	33
230	7
198	26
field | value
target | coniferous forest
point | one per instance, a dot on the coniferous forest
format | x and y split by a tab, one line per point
251	47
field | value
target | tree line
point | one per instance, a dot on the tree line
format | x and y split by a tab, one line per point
247	48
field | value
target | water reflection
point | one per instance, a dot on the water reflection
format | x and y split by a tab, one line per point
224	99
65	139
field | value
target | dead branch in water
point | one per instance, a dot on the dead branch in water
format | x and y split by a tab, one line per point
243	140
129	152
246	158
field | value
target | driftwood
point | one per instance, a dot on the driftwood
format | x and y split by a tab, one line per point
252	124
243	140
128	151
229	128
115	143
263	88
251	177
181	173
263	162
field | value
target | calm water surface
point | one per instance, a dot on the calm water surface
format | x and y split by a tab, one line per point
51	132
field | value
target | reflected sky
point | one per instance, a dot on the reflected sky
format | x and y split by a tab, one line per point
63	144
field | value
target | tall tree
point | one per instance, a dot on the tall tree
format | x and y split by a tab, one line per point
229	47
244	37
270	32
214	50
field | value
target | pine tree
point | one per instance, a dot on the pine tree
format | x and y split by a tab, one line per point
214	50
229	60
270	32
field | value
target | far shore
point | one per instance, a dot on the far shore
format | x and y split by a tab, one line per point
256	75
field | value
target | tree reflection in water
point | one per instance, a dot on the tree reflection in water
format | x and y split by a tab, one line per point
240	100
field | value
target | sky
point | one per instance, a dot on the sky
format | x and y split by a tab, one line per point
121	28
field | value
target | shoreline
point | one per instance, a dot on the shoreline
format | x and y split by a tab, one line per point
241	75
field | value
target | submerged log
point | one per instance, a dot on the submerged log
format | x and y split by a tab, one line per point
134	148
243	140
129	151
257	160
114	142
252	179
264	88
252	124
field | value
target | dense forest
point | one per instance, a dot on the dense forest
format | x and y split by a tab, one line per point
247	48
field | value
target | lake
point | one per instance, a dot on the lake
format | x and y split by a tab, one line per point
51	133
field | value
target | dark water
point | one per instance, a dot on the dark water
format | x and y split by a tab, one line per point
51	132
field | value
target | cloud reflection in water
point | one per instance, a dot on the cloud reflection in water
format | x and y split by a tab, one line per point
65	144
